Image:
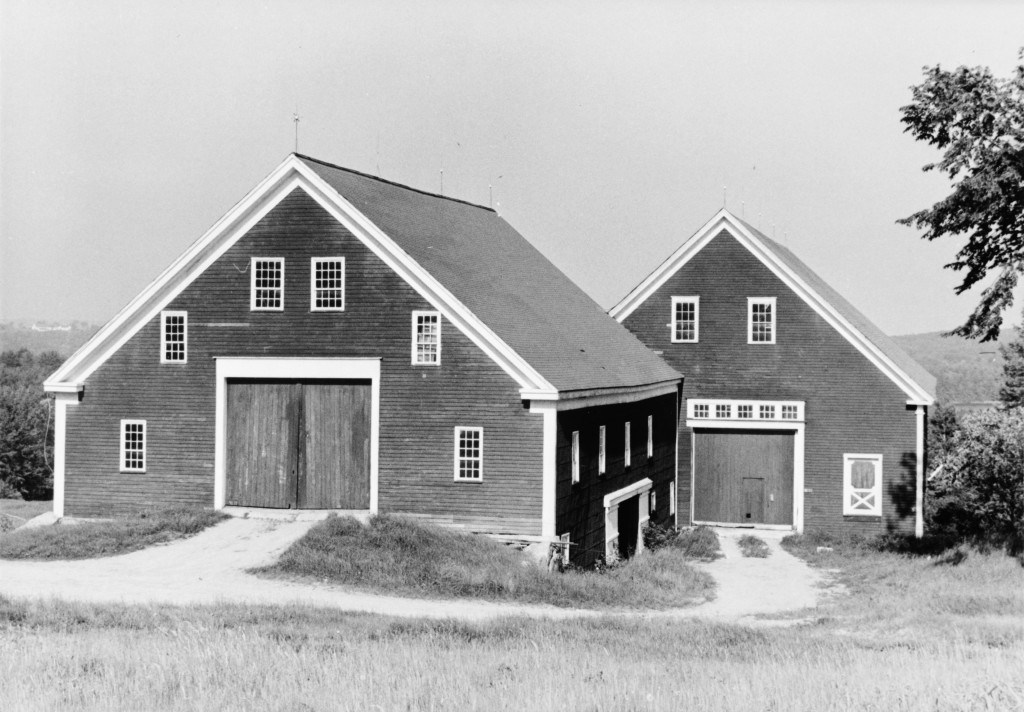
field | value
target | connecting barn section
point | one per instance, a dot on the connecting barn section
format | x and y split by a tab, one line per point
799	412
341	342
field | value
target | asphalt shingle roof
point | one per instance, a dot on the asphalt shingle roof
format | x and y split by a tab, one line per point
506	282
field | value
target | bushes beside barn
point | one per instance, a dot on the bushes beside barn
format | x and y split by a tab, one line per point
26	424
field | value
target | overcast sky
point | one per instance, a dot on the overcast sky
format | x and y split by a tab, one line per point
607	130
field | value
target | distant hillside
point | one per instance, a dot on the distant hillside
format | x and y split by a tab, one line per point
45	336
966	370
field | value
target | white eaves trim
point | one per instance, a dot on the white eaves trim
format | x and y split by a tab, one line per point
917	395
292	173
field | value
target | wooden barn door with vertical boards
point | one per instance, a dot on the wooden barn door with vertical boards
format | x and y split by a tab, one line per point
302	444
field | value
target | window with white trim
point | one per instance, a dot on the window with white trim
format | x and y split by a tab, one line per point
702	410
575	456
760	320
672	498
862	485
745	410
767	412
602	442
650	436
327	284
685	319
426	338
267	284
723	410
133	446
173	337
626	454
789	412
469	454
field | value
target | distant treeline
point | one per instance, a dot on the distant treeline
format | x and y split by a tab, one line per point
15	336
966	370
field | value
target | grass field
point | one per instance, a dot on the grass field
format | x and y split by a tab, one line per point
910	633
399	555
15	512
107	538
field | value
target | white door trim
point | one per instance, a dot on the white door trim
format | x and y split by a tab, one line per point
293	368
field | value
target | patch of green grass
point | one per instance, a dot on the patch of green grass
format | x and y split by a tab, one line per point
118	536
753	547
699	543
15	512
403	556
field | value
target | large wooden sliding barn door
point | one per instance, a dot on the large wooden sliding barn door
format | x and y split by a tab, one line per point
298	444
743	477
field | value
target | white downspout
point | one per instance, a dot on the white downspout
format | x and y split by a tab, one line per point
919	479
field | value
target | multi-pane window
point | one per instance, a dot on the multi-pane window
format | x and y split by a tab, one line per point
767	412
745	411
469	453
426	338
576	456
789	412
133	446
685	319
173	337
650	436
862	485
702	410
723	410
761	320
267	284
602	443
327	284
627	456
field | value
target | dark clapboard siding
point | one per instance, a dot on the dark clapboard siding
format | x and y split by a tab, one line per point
580	507
420	405
852	407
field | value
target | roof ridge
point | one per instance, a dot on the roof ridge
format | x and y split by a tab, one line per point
391	182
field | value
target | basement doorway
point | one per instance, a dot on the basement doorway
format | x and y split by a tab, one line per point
298	444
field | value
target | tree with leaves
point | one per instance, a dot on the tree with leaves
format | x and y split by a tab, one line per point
977	121
1012	391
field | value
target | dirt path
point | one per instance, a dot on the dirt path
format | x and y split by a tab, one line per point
210	568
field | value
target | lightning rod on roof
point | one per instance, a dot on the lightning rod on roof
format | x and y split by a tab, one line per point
442	181
490	195
296	118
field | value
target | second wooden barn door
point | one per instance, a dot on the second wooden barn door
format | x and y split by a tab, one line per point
298	444
743	477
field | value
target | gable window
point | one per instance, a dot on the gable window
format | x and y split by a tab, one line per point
602	442
862	485
267	292
650	436
133	446
627	456
575	456
173	337
685	319
426	338
760	320
327	284
469	454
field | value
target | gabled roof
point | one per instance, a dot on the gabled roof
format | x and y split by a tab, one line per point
910	376
464	259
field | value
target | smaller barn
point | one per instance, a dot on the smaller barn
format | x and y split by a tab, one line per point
338	341
799	413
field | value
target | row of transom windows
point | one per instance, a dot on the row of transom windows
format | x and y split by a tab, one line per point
761	322
426	337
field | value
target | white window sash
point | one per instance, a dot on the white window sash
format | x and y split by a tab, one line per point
650	436
164	316
575	456
416	315
602	442
252	284
314	266
852	497
676	301
478	458
761	301
124	442
627	455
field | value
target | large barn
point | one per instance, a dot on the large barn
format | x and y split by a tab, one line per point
338	341
799	412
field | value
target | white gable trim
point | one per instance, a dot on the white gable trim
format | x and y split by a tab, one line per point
724	220
291	174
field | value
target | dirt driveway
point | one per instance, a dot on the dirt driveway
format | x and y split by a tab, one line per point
210	568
